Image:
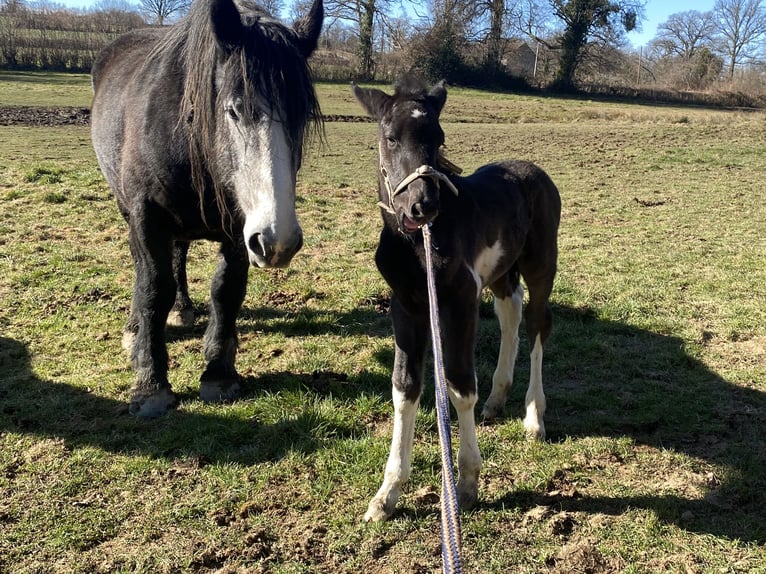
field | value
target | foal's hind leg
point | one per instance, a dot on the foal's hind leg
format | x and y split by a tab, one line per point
182	313
508	305
220	381
539	320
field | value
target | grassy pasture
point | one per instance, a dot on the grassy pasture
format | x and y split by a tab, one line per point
655	373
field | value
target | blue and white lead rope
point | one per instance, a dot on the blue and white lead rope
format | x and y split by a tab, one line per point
452	562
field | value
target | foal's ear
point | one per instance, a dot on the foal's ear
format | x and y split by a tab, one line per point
227	23
308	29
438	95
372	100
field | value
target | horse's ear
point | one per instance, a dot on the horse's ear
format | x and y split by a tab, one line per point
372	100
308	29
227	23
438	95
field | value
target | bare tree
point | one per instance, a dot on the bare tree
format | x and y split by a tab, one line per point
685	33
741	24
159	11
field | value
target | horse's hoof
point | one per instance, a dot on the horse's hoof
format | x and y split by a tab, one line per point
153	405
181	318
219	391
376	512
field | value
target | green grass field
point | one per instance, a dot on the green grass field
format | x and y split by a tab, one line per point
655	373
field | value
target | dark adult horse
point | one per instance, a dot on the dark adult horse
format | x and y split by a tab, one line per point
199	131
488	229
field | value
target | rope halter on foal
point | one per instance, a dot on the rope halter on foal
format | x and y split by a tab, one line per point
423	172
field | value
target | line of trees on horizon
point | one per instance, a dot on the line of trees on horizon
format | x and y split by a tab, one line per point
563	45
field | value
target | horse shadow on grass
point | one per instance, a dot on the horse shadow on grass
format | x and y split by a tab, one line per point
602	378
31	405
607	379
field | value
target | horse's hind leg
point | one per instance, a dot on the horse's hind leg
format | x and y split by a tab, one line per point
182	312
220	381
508	305
539	320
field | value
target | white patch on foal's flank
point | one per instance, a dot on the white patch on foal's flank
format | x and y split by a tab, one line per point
485	264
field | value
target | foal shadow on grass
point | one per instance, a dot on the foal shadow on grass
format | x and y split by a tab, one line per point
607	379
38	407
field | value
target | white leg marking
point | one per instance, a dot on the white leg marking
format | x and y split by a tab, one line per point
468	456
535	400
399	459
508	313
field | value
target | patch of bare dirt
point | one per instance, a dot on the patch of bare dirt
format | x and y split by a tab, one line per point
37	116
74	116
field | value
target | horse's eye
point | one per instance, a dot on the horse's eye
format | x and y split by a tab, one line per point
232	113
392	142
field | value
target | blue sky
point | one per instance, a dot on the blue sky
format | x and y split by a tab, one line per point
656	12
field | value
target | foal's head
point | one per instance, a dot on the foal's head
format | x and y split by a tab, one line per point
409	138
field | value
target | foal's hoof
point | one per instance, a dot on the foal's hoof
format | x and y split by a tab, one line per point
153	405
376	511
181	317
220	391
490	413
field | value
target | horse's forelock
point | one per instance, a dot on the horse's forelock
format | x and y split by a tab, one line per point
266	63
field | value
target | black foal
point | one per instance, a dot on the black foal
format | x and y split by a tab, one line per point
489	229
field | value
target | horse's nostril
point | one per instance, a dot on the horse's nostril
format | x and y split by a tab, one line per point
260	246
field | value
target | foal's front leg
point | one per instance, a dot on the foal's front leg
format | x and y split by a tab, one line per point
411	336
459	329
220	381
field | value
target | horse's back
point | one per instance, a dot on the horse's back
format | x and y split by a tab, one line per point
123	57
116	87
519	183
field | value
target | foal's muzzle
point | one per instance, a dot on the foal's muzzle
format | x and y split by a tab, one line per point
425	208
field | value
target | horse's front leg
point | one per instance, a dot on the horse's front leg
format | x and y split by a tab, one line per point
411	338
220	381
459	319
153	296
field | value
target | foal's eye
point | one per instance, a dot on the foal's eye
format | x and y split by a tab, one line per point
392	142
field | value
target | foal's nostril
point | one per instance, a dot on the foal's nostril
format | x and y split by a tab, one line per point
424	209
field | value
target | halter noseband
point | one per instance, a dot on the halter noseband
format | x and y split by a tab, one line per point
423	172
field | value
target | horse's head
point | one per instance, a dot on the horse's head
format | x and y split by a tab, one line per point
409	140
264	101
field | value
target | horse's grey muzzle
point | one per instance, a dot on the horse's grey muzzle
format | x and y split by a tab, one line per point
265	251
